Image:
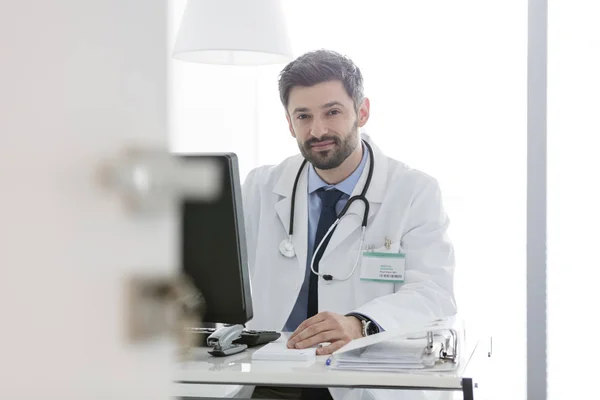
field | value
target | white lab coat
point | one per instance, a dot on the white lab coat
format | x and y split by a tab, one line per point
405	205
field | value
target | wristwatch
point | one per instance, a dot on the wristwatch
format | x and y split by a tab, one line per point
368	327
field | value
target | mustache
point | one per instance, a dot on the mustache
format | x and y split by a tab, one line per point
311	142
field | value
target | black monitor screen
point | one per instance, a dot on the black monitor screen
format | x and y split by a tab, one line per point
214	247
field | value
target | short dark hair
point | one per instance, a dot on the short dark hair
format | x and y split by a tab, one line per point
322	66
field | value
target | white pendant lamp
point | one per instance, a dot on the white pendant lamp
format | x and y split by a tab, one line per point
239	32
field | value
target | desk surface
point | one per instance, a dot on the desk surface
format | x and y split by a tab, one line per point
239	369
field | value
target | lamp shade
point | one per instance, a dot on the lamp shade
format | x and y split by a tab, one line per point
242	32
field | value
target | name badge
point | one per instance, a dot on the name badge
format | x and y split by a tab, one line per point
383	267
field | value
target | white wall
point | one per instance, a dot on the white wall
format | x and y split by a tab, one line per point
573	197
78	81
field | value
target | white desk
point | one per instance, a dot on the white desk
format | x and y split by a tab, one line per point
239	369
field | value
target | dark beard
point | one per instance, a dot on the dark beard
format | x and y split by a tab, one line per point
333	158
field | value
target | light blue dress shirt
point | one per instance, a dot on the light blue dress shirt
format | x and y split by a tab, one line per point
315	182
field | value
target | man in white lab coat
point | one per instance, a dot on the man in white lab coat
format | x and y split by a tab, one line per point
319	284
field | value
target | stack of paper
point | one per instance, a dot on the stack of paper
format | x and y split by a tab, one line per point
399	350
393	355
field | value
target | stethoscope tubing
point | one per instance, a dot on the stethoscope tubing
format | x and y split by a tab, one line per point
286	247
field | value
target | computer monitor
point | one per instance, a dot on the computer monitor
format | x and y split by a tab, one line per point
213	251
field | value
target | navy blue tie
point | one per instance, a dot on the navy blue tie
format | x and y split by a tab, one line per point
329	199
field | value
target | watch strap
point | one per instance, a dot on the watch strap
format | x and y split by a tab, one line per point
368	326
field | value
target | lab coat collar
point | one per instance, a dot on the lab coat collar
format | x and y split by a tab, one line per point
379	181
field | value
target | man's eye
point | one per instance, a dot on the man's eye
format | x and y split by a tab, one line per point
302	116
334	112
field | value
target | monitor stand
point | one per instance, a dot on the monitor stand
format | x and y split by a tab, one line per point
222	339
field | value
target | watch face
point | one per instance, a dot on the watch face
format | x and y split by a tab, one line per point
370	328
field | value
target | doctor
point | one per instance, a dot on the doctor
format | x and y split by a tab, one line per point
386	262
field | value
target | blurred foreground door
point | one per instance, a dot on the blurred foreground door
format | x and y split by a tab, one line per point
79	80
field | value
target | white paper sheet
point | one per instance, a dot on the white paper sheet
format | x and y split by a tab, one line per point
278	351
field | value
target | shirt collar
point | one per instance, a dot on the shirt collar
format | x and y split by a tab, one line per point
346	186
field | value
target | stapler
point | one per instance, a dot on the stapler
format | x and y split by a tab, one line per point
222	339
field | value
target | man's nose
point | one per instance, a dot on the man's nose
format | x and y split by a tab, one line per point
318	128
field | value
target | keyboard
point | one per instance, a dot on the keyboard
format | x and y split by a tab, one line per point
249	337
256	338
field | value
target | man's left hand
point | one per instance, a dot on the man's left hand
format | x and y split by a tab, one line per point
326	327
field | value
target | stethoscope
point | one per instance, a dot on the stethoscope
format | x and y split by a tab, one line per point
286	247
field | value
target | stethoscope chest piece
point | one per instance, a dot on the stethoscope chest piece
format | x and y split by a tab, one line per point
286	248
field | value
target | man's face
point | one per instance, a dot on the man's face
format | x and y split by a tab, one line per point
323	120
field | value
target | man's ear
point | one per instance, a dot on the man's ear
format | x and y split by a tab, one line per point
364	112
289	120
